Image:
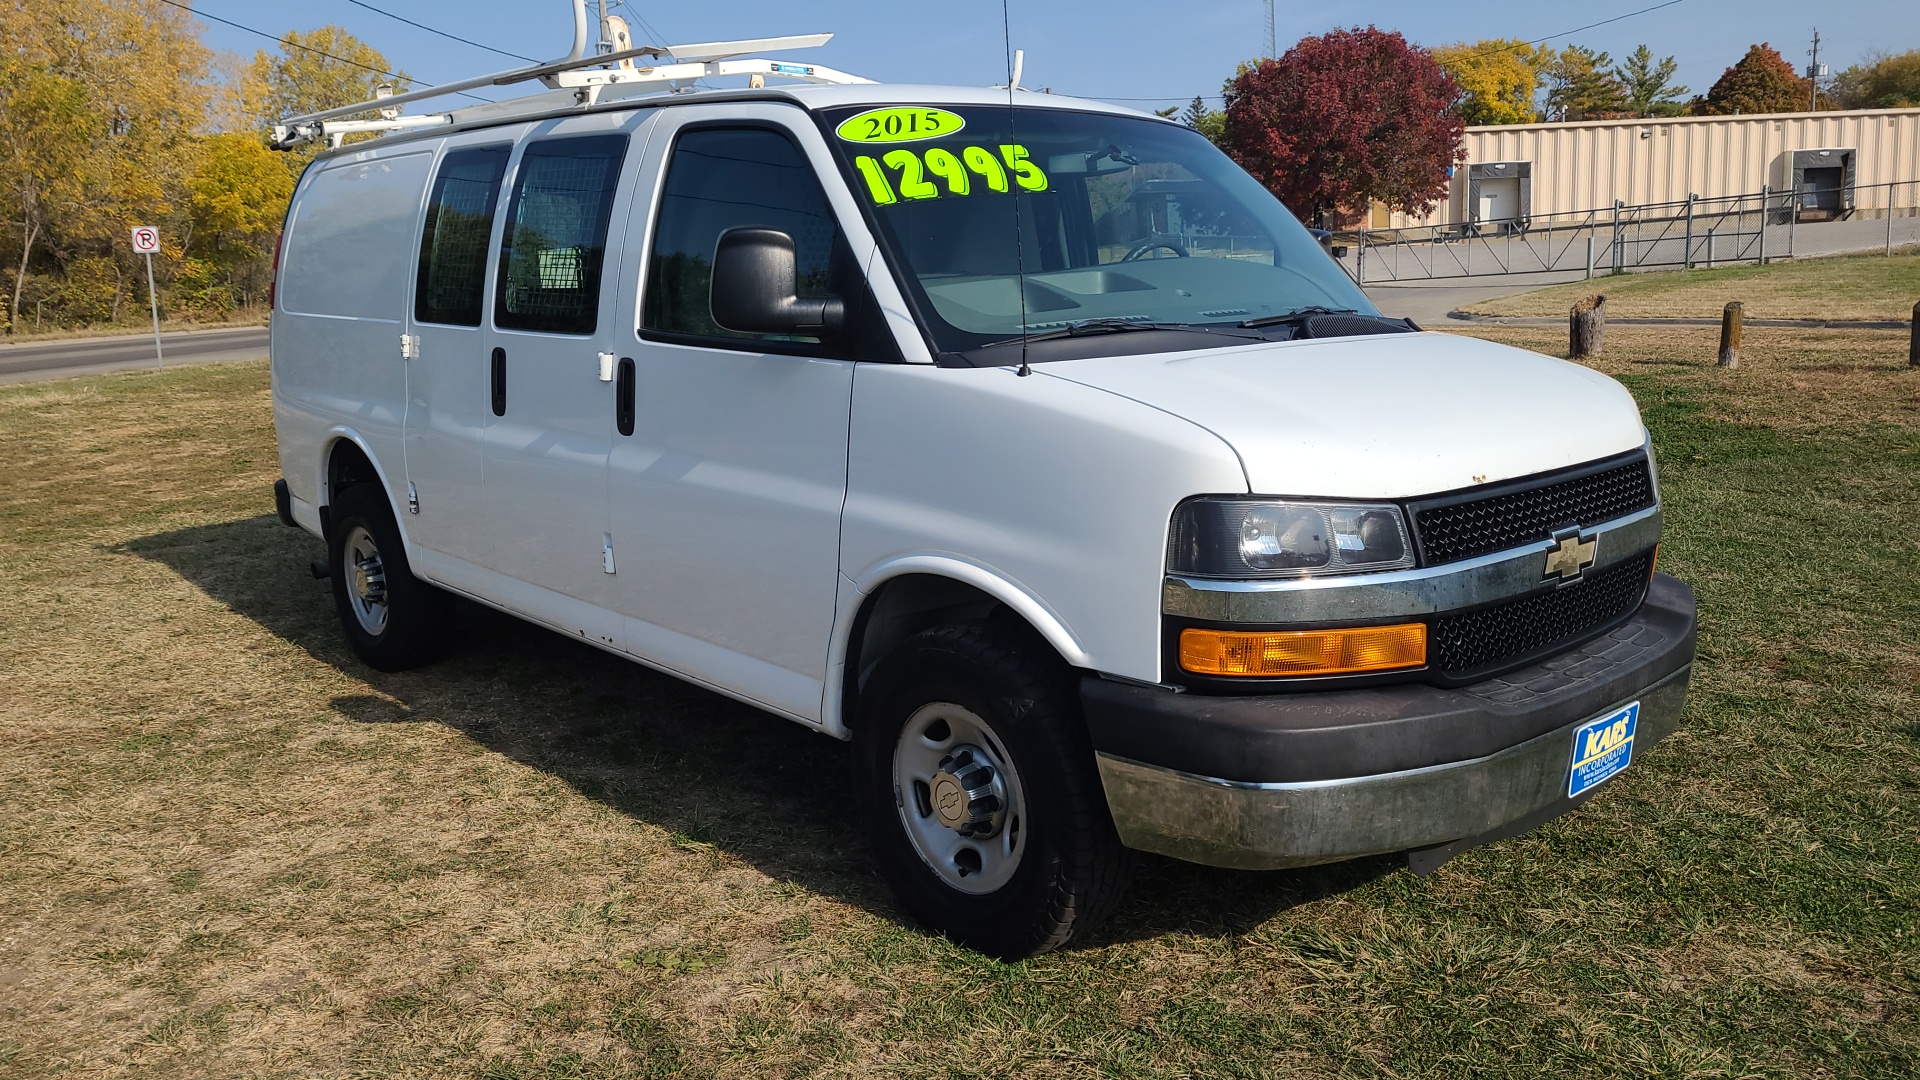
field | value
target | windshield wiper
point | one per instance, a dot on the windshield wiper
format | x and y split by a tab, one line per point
1296	315
1087	327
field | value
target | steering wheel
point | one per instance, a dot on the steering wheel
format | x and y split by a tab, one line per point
1145	246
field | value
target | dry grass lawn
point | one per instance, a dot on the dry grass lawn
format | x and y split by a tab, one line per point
229	850
1854	288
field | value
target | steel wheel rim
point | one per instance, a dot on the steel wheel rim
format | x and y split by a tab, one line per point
937	734
366	580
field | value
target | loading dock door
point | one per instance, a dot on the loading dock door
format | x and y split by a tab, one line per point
1820	191
1499	204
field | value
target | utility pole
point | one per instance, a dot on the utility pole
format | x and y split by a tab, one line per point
1813	75
1272	51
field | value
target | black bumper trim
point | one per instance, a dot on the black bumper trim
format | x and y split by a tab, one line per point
283	503
1287	738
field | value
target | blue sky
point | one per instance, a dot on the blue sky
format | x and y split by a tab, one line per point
1115	49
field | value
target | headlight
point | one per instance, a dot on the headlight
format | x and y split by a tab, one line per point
1264	538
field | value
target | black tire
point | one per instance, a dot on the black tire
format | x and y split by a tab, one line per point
417	617
1072	868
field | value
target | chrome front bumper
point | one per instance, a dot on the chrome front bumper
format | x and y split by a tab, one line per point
1267	781
1253	826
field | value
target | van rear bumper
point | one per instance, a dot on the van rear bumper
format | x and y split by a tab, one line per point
1297	779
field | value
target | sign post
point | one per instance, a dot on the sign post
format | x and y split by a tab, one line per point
146	241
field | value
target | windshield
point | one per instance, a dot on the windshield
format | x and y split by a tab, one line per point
1112	220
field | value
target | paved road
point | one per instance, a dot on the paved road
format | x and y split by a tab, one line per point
93	356
1427	302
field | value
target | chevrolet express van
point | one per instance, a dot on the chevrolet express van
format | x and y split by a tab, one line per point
1024	442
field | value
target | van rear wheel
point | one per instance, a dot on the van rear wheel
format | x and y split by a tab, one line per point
981	795
393	620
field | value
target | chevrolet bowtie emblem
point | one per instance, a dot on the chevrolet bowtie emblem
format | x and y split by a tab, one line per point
1571	556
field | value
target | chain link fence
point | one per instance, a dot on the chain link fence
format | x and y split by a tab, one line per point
1759	227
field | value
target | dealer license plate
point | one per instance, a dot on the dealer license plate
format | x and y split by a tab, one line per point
1602	748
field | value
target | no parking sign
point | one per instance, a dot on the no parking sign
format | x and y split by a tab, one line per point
146	241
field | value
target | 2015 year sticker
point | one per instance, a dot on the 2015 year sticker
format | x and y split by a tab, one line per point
899	124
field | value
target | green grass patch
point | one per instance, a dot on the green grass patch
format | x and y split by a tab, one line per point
228	849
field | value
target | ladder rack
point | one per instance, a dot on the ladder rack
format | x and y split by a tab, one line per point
590	78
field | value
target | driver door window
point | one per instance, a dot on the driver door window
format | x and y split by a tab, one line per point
728	178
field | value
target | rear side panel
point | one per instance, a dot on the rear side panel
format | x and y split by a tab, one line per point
342	291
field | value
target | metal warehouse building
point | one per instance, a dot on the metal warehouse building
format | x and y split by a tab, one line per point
1830	160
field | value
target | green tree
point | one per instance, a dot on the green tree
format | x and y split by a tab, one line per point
1500	77
1209	122
1649	86
1581	86
1884	81
1762	82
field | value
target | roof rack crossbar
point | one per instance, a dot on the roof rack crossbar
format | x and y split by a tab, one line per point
703	60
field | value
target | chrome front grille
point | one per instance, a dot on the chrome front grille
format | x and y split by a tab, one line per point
1479	522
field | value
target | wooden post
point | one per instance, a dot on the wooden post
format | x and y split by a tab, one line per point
1913	346
1586	327
1730	334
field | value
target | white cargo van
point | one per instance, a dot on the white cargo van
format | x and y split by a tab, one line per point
1026	442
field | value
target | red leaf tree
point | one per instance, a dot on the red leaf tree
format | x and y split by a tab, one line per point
1344	119
1762	82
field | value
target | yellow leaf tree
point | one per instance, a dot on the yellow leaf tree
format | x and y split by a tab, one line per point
103	104
314	70
236	198
1501	78
43	138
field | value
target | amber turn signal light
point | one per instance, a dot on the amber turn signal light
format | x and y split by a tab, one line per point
1303	652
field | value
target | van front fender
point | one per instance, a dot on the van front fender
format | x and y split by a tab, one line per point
857	593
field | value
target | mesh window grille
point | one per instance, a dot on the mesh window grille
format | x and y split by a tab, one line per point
557	235
453	251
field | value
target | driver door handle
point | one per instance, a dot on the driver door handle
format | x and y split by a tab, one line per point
623	397
499	382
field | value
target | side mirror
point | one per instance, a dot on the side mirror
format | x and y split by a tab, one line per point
755	287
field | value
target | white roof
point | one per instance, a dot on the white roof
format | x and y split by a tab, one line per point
562	103
578	84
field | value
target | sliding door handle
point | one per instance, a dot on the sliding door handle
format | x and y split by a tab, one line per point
623	397
499	382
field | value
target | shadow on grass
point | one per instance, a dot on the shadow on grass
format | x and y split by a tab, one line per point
701	766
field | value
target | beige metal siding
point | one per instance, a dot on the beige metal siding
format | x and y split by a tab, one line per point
1588	165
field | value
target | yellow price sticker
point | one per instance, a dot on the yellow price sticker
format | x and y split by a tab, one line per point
896	125
957	172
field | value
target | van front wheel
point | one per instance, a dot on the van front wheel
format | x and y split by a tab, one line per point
393	620
981	794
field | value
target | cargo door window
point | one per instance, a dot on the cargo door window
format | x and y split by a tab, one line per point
728	178
453	247
556	235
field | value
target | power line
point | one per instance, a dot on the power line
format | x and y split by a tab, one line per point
657	37
1575	30
1175	97
306	48
442	33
